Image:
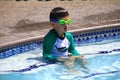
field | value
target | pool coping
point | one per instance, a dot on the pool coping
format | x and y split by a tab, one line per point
40	38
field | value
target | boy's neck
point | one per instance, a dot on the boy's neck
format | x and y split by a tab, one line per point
61	36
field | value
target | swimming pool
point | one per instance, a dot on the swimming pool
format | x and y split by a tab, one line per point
102	53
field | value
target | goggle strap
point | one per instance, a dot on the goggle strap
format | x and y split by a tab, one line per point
51	19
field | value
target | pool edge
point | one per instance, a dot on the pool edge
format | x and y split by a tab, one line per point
40	38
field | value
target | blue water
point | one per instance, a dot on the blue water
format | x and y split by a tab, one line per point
103	62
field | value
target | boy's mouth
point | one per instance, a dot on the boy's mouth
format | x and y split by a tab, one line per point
65	29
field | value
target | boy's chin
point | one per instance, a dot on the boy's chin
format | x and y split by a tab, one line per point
65	29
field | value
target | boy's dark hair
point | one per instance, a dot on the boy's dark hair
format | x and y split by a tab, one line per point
58	13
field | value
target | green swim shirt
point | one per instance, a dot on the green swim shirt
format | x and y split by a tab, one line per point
49	41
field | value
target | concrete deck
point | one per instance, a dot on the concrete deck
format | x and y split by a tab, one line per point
24	19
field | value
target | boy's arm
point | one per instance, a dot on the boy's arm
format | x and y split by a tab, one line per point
48	43
47	48
72	49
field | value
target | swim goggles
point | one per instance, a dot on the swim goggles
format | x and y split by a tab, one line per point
61	21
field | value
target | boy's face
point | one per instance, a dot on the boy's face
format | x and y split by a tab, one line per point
60	28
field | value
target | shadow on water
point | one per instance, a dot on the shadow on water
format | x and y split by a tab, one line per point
43	60
40	59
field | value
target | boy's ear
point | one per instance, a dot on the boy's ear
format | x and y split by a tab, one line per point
51	23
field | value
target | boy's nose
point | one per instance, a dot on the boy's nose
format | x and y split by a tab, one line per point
66	25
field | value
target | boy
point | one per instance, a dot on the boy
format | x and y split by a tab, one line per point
59	43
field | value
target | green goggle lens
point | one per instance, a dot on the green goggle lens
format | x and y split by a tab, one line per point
65	21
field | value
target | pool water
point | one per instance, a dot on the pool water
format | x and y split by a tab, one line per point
103	62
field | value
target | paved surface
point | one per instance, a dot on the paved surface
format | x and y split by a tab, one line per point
24	19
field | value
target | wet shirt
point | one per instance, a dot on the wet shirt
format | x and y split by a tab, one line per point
60	48
54	46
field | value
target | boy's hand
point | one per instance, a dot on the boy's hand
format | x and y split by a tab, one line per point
62	59
82	61
69	58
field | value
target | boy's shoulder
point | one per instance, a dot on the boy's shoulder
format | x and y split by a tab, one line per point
68	35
